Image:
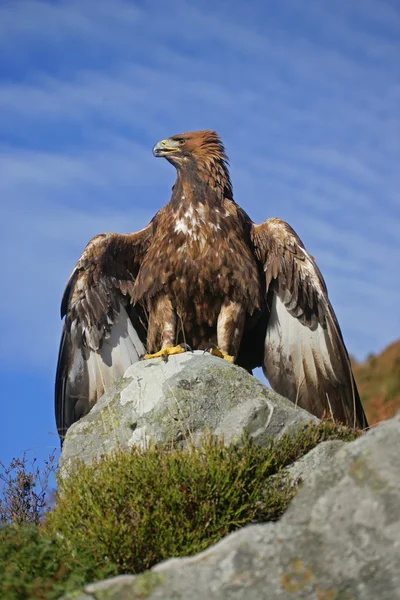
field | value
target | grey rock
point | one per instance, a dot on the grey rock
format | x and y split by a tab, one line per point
339	539
313	460
175	402
119	587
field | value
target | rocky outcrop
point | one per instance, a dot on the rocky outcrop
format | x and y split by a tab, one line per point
175	402
339	539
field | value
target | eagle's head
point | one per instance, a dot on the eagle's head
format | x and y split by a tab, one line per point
195	146
198	151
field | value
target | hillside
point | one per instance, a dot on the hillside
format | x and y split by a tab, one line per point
378	381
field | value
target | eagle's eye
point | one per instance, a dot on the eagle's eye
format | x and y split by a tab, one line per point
180	141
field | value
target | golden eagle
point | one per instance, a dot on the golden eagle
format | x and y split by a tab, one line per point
202	273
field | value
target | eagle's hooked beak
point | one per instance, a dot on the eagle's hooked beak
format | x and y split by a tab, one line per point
165	147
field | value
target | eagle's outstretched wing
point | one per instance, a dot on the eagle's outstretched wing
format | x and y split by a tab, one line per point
305	358
103	333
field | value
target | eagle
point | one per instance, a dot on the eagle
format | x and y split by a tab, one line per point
202	274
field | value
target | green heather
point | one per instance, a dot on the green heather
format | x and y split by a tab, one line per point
130	510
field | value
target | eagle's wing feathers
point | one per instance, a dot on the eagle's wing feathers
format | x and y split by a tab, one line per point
103	332
305	358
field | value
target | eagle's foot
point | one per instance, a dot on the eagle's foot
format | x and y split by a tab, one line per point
215	351
165	352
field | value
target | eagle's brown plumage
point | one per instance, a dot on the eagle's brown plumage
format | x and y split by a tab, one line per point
200	261
203	273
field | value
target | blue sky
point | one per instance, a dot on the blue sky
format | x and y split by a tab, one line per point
305	95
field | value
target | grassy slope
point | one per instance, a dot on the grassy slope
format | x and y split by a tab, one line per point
378	381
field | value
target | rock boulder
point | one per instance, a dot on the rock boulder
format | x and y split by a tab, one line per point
175	402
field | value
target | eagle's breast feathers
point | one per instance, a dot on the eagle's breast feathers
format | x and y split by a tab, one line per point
200	249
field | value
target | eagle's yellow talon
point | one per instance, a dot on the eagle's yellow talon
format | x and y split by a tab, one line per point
217	352
165	352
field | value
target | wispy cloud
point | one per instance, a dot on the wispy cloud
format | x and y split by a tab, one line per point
306	103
